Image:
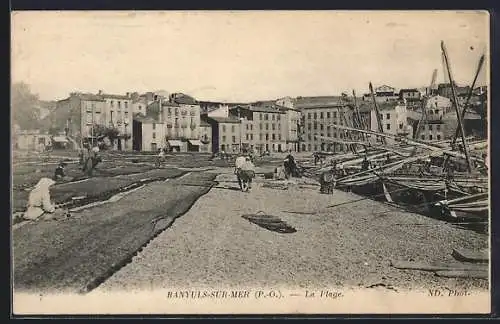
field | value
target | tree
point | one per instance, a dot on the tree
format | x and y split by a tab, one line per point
101	131
24	106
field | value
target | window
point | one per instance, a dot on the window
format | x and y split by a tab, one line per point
388	116
274	126
260	116
308	115
308	147
246	126
321	115
436	111
315	126
126	104
153	147
309	126
438	137
223	138
335	135
260	126
315	115
315	147
248	137
266	117
234	139
260	137
267	137
321	126
89	118
140	108
251	137
41	140
233	129
278	117
430	127
388	126
251	126
381	116
422	137
328	114
279	126
119	104
438	127
154	134
309	137
430	137
112	103
267	126
273	136
431	112
272	117
154	126
400	126
334	114
223	128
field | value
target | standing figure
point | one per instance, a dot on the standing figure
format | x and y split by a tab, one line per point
240	160
246	174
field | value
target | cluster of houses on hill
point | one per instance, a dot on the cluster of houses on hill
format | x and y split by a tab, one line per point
180	123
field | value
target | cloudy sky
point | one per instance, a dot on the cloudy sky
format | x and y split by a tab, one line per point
242	56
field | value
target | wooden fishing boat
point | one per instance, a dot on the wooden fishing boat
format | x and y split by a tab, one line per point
466	207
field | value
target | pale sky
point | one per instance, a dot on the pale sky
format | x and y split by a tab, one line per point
245	55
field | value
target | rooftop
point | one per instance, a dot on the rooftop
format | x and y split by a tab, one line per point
224	120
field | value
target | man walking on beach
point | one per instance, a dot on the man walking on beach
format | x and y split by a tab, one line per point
240	161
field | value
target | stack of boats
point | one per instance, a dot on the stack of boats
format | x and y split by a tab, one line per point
448	177
415	177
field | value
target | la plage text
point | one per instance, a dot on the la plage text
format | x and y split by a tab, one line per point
221	294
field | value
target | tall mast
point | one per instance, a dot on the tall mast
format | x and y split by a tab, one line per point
455	104
377	113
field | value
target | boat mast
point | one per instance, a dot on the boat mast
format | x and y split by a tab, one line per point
424	105
379	122
455	104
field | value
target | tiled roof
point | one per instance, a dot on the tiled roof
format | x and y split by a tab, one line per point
89	97
114	96
225	120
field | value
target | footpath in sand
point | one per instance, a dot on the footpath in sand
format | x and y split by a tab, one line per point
213	246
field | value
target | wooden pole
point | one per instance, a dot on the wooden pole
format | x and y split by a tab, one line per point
469	95
424	104
360	123
455	102
379	122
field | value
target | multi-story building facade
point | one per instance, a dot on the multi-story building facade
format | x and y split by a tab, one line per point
77	114
118	114
393	117
264	128
179	116
293	124
148	134
318	120
226	133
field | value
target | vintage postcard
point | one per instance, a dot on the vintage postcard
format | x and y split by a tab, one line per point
250	162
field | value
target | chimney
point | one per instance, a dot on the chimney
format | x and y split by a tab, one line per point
100	92
128	94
